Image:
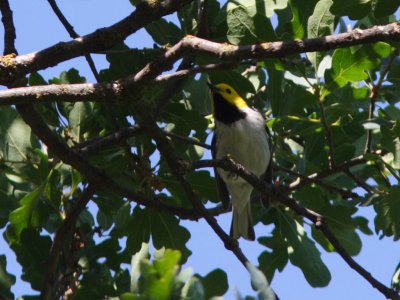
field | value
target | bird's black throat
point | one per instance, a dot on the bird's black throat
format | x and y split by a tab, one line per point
225	112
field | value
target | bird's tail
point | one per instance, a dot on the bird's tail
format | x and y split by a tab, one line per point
241	224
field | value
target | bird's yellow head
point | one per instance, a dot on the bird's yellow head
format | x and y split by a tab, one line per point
228	94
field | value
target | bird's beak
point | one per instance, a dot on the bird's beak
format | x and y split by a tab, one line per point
212	87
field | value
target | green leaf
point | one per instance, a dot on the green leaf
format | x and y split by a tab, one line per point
349	67
344	227
303	253
139	230
262	7
158	279
241	84
96	283
36	79
184	119
241	27
204	185
164	229
7	280
394	73
52	190
321	23
130	296
31	252
385	7
339	215
70	76
275	90
355	9
215	283
188	18
301	12
107	249
248	21
78	116
260	283
381	49
124	62
387	219
122	216
277	259
16	137
8	201
26	215
390	136
193	289
166	232
199	95
164	32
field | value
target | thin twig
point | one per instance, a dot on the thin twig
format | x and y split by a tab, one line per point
391	170
187	140
9	29
195	70
343	192
145	51
326	173
381	170
63	231
73	34
361	183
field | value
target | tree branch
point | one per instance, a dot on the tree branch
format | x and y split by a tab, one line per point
49	285
9	29
198	69
189	45
318	220
101	39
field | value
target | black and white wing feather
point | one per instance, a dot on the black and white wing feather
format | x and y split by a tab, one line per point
221	187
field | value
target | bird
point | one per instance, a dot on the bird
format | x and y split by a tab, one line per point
241	133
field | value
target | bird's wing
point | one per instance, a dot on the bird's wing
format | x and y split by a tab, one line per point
267	177
221	187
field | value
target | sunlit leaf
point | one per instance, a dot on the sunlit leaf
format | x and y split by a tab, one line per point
304	254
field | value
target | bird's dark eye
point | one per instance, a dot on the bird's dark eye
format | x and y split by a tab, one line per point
228	91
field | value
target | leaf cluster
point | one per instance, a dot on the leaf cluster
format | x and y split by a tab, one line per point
326	110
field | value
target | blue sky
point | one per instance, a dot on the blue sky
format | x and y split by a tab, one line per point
37	28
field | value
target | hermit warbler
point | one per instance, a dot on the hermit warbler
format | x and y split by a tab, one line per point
241	133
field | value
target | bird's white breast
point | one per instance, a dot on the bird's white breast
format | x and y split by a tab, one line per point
245	141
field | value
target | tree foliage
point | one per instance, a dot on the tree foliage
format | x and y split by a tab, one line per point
133	146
